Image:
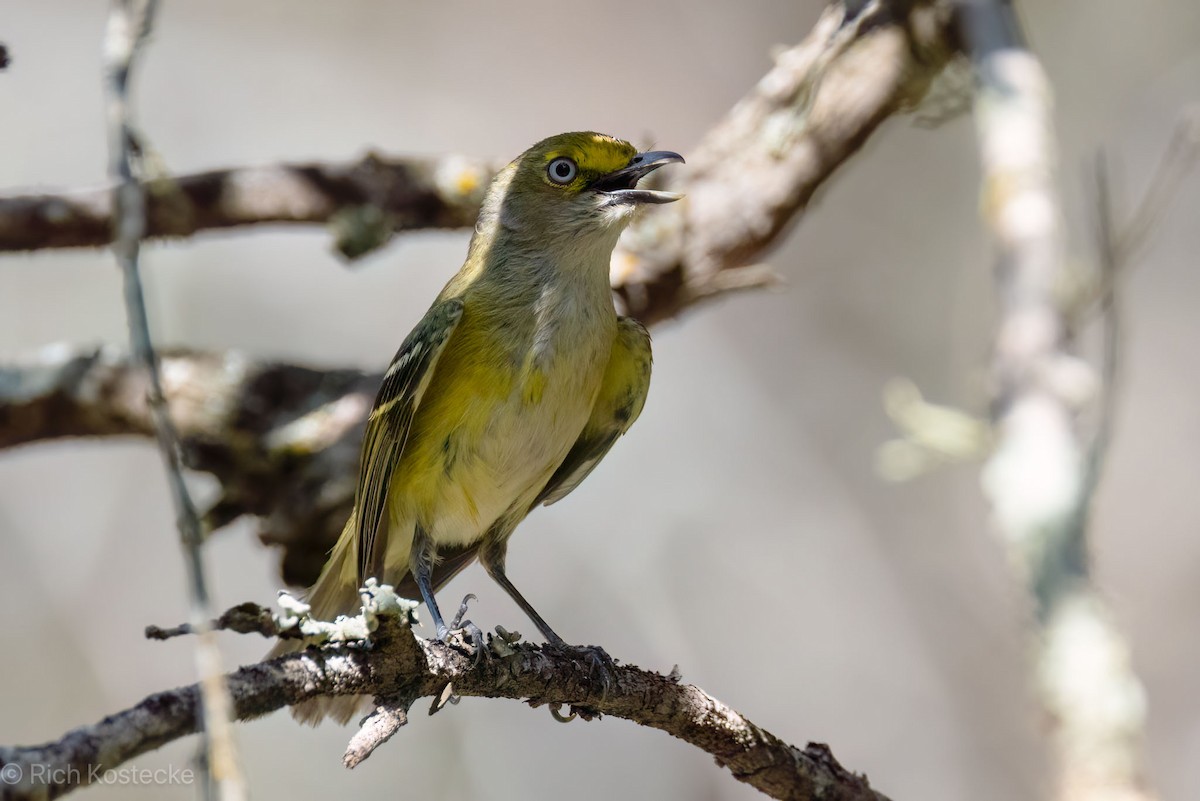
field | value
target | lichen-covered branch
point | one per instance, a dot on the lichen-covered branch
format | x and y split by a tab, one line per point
402	668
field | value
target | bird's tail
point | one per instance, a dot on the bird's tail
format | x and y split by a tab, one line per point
335	593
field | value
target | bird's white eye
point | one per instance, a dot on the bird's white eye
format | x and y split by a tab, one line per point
562	170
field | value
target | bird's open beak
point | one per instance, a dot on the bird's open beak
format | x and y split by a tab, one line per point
621	186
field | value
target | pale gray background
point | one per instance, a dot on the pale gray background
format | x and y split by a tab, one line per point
740	530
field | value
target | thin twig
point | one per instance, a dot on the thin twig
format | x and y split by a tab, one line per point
1116	251
1110	256
1177	162
129	24
375	730
1119	247
244	619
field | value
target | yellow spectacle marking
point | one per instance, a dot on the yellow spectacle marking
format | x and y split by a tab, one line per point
595	154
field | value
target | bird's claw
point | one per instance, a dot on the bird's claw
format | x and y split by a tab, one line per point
467	630
584	713
556	713
457	623
477	641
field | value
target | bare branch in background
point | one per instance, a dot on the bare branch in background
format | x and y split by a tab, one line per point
401	668
129	24
1041	477
363	201
283	439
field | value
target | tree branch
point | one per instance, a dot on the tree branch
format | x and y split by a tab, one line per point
752	176
401	668
283	440
405	194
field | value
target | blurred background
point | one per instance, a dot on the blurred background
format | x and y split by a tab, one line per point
740	531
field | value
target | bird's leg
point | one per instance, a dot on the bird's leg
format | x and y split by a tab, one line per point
496	571
491	556
423	553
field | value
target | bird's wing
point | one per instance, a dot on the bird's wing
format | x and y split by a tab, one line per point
622	395
388	427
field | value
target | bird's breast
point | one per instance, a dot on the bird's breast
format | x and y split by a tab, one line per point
504	408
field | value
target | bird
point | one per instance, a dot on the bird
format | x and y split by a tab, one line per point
508	392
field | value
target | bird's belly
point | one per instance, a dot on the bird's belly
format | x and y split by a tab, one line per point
498	454
508	467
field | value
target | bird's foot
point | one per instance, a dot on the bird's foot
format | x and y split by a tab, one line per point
601	669
601	666
467	630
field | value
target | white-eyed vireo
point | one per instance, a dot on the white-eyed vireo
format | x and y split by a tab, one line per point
508	392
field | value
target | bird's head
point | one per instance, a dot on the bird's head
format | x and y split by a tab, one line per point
575	185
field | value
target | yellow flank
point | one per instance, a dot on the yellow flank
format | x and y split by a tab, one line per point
618	404
509	391
626	379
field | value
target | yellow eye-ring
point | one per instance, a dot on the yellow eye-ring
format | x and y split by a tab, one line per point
562	170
